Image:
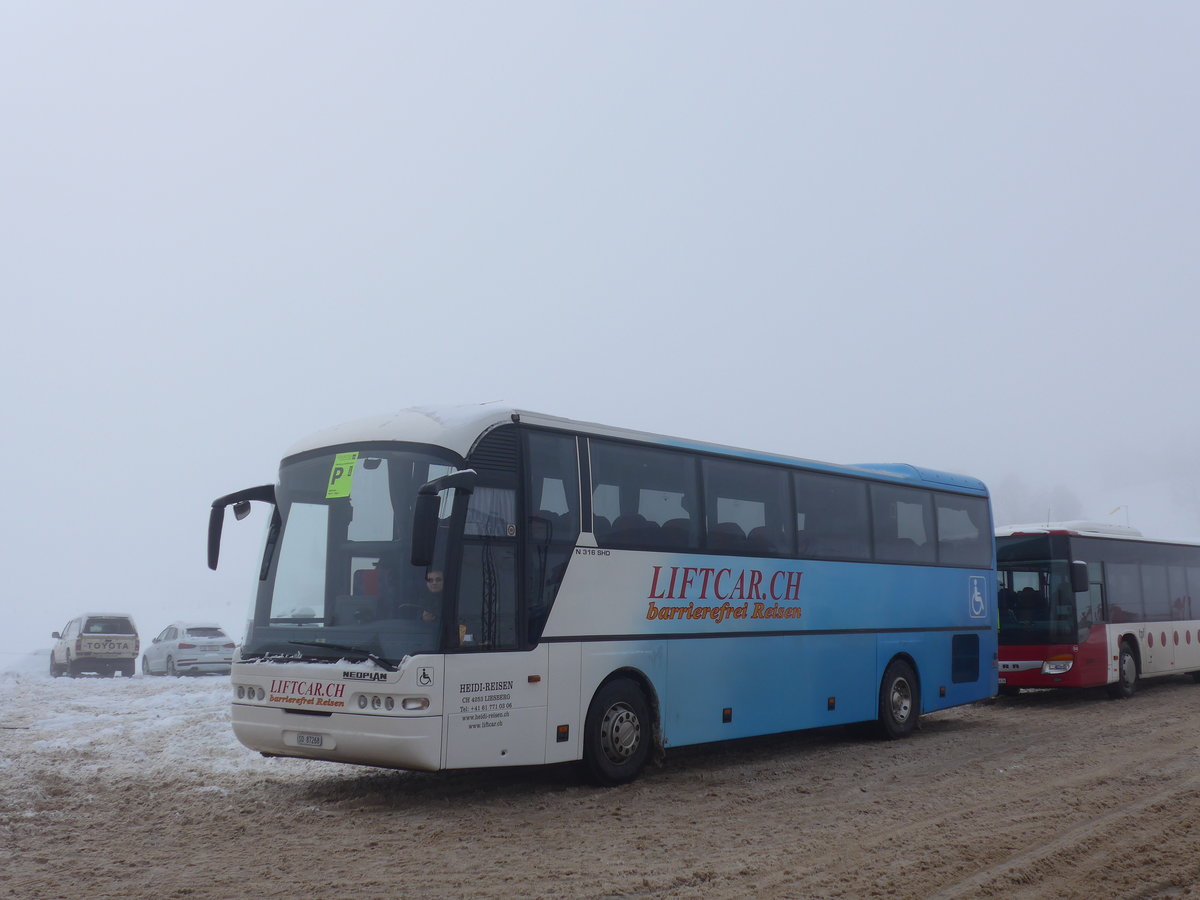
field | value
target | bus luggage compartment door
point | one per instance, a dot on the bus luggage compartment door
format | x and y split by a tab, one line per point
495	709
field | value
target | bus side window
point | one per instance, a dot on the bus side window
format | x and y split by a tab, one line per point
1156	593
903	520
1096	591
964	538
747	508
647	497
553	505
1193	583
1180	602
1124	592
831	517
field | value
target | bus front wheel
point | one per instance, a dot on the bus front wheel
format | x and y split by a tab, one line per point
899	701
617	733
1126	683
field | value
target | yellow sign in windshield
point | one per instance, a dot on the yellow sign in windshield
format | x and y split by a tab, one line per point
341	476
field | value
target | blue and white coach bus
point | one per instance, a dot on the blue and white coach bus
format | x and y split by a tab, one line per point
465	587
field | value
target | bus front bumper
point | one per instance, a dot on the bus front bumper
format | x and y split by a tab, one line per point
1041	672
395	742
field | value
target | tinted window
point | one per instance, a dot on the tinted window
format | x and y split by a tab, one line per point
1181	604
746	508
553	527
1124	592
205	632
108	625
644	497
964	532
492	511
831	517
487	590
1191	607
1156	595
903	520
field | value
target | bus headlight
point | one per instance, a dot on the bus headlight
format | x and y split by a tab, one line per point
1058	665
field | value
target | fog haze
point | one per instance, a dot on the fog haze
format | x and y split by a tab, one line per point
962	237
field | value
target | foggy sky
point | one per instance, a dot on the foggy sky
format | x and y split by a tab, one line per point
958	236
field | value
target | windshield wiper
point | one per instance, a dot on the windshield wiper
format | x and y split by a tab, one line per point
378	660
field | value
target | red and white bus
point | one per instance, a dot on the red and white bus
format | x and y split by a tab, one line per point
1084	604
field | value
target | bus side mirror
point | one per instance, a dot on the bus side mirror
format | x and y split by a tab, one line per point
1079	577
240	502
425	513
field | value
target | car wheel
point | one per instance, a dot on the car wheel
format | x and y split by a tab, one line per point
146	666
617	733
55	671
171	670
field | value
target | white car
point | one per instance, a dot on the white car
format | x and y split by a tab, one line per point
189	648
103	643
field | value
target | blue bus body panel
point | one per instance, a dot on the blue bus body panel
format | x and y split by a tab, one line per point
822	667
768	684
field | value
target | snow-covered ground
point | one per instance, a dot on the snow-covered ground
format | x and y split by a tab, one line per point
113	728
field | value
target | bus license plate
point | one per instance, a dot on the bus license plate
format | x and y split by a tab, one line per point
309	740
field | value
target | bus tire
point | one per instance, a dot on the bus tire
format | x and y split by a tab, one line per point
899	701
1126	683
1009	690
617	733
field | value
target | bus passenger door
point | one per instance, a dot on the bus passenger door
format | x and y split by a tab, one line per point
495	693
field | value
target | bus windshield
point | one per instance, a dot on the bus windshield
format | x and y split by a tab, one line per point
339	578
1037	605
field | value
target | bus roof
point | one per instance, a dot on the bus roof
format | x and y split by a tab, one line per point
1093	530
459	428
1080	528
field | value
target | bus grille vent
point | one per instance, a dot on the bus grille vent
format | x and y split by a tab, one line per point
497	450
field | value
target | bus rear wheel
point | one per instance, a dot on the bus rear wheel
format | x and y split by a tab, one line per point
617	733
1126	683
899	701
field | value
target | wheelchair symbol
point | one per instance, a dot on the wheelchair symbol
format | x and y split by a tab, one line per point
978	601
425	676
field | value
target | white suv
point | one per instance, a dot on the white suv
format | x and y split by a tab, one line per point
103	643
189	648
